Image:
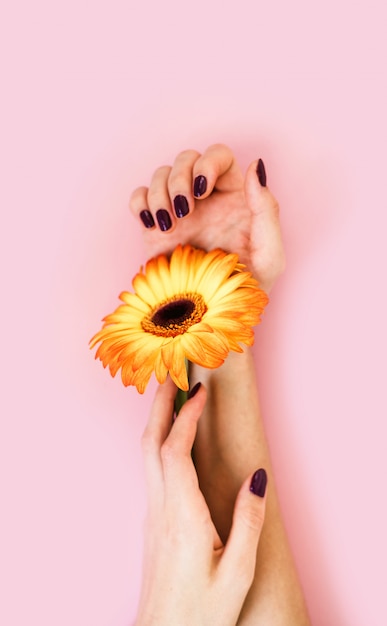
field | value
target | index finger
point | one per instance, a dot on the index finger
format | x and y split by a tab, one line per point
156	432
216	168
180	476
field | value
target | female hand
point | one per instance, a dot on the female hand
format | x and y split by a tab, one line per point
204	200
189	576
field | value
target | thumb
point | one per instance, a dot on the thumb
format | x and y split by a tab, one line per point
240	554
266	248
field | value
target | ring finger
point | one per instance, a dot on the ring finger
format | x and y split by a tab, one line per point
158	199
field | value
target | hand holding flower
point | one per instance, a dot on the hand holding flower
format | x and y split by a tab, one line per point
189	576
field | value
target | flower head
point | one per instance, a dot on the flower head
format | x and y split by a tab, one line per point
196	305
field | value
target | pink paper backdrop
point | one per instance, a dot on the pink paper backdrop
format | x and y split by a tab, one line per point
95	95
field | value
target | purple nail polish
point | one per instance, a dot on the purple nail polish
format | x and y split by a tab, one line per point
147	218
258	483
194	390
163	219
200	186
181	207
261	173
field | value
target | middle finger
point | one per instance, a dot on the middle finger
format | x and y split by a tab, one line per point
180	183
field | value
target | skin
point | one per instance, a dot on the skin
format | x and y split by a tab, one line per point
239	215
235	214
182	544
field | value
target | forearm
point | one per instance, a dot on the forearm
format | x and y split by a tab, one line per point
231	441
230	444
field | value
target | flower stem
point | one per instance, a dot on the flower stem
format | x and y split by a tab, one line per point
181	396
180	399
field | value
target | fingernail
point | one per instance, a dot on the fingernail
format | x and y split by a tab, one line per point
258	483
180	204
200	186
194	390
147	218
261	173
163	219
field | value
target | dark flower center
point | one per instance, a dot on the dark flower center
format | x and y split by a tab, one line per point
175	315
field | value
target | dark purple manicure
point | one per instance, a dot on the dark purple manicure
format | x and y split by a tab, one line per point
258	483
200	186
180	204
163	219
194	390
261	173
147	218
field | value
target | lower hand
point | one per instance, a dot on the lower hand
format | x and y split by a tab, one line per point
190	576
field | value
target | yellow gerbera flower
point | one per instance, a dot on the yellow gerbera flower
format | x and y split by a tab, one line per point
197	305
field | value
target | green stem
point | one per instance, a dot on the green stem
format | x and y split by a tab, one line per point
180	399
181	396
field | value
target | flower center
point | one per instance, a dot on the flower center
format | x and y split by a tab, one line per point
175	315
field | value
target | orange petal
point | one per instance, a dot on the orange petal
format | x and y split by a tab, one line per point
216	274
174	359
133	301
193	348
229	286
141	378
215	349
161	371
142	288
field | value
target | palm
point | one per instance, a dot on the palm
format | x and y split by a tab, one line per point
220	221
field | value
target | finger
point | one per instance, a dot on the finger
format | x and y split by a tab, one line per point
158	199
179	472
139	206
216	169
180	183
239	557
182	436
155	433
267	251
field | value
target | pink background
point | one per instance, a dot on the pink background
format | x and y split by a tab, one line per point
95	95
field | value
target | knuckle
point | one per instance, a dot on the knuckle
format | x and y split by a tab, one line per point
276	208
138	195
187	155
177	181
242	575
161	172
220	147
168	453
177	533
246	575
252	517
157	197
157	191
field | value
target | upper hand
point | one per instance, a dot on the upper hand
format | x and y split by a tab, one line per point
232	212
